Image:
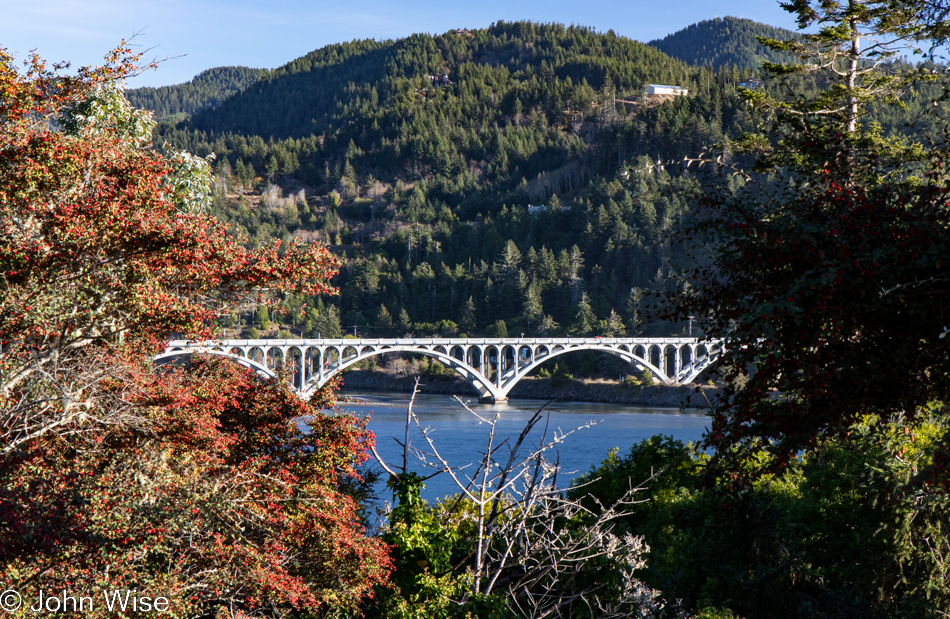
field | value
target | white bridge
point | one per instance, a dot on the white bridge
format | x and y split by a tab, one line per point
492	365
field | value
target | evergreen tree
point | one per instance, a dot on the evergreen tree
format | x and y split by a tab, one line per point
548	326
575	264
498	329
325	323
262	317
405	323
384	319
633	311
615	326
532	311
468	321
508	261
584	319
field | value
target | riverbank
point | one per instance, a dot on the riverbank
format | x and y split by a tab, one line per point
537	389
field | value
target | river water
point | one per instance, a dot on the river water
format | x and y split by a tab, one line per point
461	437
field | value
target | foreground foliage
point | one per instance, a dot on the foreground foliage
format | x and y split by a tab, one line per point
194	484
510	544
853	528
214	497
825	271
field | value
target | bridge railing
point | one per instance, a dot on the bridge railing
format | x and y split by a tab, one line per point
439	341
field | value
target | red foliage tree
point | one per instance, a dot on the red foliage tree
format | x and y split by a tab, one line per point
195	483
216	498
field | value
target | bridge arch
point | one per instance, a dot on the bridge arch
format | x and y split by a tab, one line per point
240	359
557	351
705	364
486	390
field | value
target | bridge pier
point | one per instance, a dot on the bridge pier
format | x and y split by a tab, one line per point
490	399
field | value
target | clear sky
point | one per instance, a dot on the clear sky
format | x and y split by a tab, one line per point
201	34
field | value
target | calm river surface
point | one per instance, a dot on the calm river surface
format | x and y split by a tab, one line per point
461	437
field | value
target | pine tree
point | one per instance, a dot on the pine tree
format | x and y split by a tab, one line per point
548	325
328	324
532	311
632	309
584	319
615	326
384	319
404	323
468	321
575	264
508	261
262	317
498	329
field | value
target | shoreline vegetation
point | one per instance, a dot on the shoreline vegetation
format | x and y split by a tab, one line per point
533	388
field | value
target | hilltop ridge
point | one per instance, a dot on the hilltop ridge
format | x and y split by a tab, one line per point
713	43
724	41
206	90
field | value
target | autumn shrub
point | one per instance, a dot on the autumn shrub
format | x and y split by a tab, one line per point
193	483
216	472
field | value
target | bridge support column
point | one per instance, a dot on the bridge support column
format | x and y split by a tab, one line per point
678	363
490	399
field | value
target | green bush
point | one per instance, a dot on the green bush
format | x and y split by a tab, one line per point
430	547
855	527
497	329
629	381
434	369
560	376
646	378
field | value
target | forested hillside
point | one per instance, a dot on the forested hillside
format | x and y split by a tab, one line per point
207	90
426	186
500	181
722	42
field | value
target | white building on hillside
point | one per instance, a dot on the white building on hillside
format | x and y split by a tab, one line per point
752	84
660	89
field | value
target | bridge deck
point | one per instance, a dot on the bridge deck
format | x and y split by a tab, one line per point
455	341
492	365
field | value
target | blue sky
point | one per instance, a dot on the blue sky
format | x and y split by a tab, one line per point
200	34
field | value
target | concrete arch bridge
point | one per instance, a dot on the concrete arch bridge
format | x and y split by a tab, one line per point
492	365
